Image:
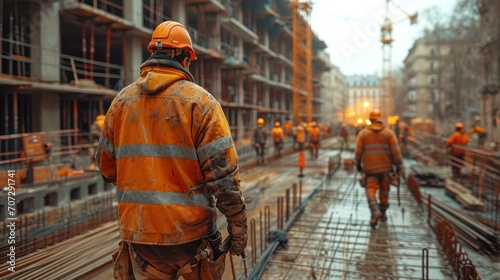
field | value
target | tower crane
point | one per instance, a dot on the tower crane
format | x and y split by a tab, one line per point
302	60
386	39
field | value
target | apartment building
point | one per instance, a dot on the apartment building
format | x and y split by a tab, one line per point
490	53
363	95
441	78
336	95
64	61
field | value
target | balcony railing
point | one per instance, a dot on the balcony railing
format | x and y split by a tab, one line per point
199	38
114	7
151	17
105	74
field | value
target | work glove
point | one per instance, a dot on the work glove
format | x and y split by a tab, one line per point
400	169
358	166
237	229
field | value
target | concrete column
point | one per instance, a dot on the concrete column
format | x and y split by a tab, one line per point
133	54
48	103
179	11
45	35
133	11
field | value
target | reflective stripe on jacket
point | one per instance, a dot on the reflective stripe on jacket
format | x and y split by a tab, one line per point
167	146
377	148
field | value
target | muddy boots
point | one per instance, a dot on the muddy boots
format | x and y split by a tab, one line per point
376	214
383	208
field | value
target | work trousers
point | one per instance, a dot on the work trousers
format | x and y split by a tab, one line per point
380	183
456	165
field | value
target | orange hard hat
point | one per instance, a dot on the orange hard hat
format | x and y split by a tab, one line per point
171	34
375	115
277	124
260	121
459	125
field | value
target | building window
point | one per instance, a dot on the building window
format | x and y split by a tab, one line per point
432	65
433	52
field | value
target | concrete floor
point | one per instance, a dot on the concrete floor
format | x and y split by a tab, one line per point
332	238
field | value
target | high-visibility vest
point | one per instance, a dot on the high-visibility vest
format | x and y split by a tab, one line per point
278	134
378	149
456	140
314	134
158	145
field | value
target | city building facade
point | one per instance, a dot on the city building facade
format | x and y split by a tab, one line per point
363	95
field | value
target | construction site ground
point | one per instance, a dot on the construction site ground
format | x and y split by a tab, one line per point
330	237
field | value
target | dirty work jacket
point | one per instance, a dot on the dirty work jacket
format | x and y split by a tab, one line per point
378	149
458	139
167	146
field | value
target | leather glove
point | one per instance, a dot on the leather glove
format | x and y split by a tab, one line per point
358	166
401	170
237	229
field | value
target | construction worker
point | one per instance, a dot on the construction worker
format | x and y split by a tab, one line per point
167	146
314	139
456	143
259	141
480	131
345	137
278	138
377	153
96	128
300	137
287	128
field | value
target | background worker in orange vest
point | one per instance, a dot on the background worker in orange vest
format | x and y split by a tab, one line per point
377	152
456	147
314	139
167	146
300	137
278	138
480	131
96	128
259	141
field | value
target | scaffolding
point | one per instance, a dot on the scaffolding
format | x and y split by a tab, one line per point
302	61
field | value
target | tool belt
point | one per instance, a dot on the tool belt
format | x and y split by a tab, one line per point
211	261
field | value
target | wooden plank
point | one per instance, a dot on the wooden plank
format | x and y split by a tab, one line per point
470	202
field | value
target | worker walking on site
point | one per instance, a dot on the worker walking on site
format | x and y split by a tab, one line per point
96	128
278	138
456	149
480	131
167	146
377	154
345	137
259	141
314	139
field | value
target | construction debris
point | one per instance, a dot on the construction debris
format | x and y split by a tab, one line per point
428	176
463	195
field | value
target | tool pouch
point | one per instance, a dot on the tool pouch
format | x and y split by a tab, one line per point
122	264
212	267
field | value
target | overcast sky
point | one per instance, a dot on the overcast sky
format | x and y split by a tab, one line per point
351	30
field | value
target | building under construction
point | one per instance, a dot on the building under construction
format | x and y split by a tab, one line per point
63	61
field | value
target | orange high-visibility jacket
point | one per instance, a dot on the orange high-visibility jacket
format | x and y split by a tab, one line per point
460	139
300	135
377	148
278	135
167	146
287	126
314	134
476	129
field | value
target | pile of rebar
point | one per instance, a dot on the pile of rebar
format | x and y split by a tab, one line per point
479	233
